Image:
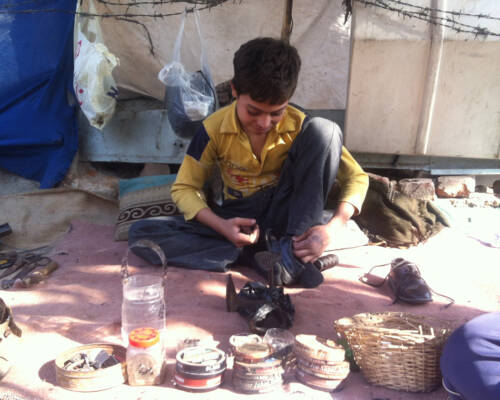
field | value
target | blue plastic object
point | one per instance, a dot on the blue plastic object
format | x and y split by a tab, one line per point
38	126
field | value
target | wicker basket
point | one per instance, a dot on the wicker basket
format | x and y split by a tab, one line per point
396	350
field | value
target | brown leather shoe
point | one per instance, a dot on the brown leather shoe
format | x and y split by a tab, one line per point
407	284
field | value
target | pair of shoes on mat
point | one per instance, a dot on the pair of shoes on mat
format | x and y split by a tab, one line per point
280	266
407	284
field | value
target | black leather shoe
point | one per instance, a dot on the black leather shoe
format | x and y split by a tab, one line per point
407	284
272	243
285	268
282	268
311	277
263	263
289	267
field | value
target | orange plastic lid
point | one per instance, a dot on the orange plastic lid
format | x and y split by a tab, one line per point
144	337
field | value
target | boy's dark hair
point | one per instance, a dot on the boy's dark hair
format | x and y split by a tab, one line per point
267	70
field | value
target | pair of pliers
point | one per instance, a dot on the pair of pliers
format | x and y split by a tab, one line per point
7	259
28	263
37	276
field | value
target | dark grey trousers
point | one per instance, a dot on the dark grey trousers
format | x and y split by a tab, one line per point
290	208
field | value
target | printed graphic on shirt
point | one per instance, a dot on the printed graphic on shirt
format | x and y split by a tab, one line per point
248	185
233	166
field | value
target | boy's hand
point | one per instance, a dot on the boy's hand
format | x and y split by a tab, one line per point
312	243
241	231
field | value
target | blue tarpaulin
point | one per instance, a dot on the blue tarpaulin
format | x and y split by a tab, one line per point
38	126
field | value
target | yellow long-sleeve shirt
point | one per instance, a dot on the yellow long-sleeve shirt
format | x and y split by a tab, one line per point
223	142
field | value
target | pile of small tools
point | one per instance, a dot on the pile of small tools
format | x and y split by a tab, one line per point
24	269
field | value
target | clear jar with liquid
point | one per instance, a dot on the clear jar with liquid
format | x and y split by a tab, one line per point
143	305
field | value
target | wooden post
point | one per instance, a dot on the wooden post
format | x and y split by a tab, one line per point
286	29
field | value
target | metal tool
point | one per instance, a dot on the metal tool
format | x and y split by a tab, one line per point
30	262
7	259
12	268
5	229
7	324
233	301
38	276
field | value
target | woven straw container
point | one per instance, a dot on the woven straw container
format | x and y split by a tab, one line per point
396	350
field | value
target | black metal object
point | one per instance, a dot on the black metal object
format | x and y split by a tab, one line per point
24	265
262	306
5	230
85	362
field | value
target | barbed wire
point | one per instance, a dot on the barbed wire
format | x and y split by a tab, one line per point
209	3
447	19
17	3
148	35
126	16
451	12
206	4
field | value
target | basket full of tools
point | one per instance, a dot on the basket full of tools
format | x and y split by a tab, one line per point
396	350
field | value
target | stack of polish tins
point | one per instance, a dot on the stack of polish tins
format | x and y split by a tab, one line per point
255	369
320	362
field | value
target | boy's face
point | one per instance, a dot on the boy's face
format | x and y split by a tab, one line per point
257	118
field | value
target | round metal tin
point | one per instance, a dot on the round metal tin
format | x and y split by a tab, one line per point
91	381
326	371
274	374
318	348
328	385
254	386
252	353
191	375
240	339
260	369
200	360
204	384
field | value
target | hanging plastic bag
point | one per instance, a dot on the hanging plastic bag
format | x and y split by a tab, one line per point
93	82
189	96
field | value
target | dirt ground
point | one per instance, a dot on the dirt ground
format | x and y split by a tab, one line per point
81	302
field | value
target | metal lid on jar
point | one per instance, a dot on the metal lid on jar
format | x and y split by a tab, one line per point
144	337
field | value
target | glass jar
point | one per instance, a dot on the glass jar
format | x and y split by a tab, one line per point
144	357
281	341
143	304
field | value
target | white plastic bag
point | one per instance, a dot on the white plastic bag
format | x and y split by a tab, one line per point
93	81
189	96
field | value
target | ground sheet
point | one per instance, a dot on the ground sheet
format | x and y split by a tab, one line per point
81	302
